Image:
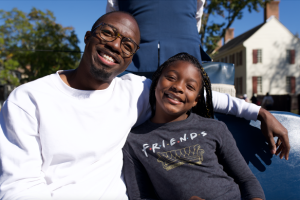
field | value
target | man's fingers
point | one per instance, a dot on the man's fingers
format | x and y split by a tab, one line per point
272	145
278	143
285	153
285	146
279	150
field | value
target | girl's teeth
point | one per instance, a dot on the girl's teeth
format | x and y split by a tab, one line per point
173	98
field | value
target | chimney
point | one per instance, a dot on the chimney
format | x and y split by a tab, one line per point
271	9
229	35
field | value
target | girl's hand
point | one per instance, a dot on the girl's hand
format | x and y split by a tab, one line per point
270	127
195	198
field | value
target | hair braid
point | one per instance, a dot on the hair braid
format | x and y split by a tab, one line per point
204	109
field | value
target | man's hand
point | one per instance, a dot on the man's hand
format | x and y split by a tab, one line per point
271	127
195	198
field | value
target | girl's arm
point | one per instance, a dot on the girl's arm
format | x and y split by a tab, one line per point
270	126
236	167
138	183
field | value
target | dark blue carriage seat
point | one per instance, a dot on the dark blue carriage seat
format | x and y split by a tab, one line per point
280	179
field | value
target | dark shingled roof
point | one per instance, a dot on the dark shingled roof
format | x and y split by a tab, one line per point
240	39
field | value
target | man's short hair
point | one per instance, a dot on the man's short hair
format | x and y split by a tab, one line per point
100	18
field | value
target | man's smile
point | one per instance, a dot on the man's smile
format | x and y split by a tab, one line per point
107	58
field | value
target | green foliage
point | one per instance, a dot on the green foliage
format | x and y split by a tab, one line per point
228	10
22	34
7	75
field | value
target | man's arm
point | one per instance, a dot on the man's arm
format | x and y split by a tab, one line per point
270	126
21	176
224	103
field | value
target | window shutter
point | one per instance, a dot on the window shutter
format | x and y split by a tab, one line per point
293	85
254	54
292	56
254	84
241	58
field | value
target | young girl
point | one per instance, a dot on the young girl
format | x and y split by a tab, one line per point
181	152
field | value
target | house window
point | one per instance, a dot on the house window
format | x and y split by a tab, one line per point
290	56
257	84
257	56
290	84
225	59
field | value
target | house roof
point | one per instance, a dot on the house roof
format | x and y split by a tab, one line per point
240	39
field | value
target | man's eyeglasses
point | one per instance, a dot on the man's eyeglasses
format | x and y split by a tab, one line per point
109	33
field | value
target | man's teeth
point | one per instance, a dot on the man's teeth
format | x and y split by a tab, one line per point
108	58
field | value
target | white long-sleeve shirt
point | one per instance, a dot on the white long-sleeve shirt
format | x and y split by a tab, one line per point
57	142
112	5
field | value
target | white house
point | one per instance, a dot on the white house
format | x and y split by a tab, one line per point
266	58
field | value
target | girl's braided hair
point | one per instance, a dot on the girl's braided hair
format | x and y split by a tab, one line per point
204	109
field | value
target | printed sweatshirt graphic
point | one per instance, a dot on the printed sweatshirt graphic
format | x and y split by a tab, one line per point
187	158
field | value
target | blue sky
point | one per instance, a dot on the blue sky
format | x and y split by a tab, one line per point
81	14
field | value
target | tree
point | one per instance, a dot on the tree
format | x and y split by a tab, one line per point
211	33
35	44
7	75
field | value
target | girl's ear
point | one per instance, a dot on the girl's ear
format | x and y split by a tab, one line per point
196	100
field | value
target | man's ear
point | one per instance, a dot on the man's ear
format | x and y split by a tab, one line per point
196	100
87	36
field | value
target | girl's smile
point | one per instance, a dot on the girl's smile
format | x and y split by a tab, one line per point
177	91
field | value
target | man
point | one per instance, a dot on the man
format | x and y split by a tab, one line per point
267	102
62	135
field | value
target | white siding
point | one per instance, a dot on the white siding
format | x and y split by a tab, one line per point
274	39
